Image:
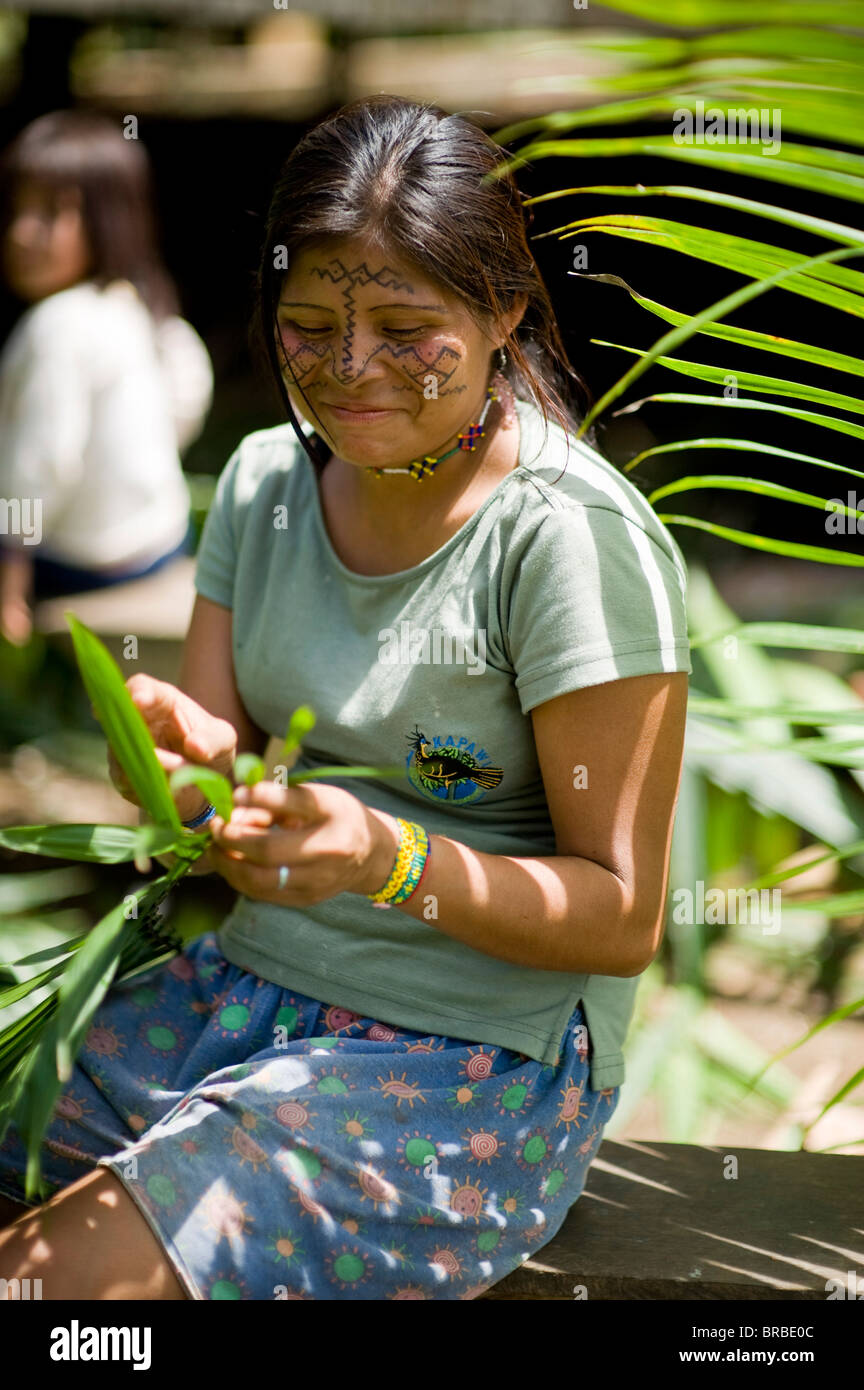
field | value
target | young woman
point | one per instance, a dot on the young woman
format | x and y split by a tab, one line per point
101	380
322	1101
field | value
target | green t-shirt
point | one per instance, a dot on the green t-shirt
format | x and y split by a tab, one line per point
555	583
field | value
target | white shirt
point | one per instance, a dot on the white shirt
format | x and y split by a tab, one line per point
95	402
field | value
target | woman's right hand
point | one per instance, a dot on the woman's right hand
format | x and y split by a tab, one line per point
183	732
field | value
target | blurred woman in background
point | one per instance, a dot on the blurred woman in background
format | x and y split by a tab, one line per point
102	383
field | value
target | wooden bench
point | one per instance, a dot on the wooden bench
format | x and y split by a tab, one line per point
661	1221
154	610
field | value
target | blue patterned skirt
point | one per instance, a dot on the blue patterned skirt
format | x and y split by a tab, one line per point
280	1147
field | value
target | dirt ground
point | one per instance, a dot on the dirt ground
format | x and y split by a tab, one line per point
822	1066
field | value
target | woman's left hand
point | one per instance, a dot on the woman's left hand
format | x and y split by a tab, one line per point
329	840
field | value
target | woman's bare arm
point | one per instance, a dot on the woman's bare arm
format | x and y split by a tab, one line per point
598	904
207	672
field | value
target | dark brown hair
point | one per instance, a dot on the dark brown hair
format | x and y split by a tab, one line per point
419	183
88	151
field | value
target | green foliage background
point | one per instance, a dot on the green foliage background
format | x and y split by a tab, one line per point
774	757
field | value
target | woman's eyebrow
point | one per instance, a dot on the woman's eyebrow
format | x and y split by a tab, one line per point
436	308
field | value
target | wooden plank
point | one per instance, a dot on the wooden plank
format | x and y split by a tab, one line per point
158	606
664	1221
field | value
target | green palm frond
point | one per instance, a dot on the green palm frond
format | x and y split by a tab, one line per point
756	727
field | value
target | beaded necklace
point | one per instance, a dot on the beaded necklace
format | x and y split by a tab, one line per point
467	441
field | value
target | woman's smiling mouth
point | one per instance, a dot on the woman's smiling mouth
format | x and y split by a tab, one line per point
358	414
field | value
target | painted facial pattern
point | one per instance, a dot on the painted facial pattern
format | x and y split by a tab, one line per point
424	362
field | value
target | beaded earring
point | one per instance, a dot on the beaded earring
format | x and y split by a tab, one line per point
468	441
500	390
504	392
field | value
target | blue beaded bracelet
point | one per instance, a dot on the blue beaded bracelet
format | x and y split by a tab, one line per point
202	819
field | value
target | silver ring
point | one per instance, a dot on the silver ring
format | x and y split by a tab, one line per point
284	875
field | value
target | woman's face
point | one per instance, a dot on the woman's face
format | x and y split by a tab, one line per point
393	366
46	248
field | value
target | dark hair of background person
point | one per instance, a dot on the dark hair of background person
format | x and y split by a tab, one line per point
415	180
88	151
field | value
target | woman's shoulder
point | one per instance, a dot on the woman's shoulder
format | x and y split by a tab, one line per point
571	489
85	319
271	452
271	448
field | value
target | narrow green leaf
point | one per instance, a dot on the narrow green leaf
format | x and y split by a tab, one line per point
814	277
98	844
847	753
301	723
835	905
818	169
816	265
764	543
733	1050
215	787
745	337
829	422
815	103
13	993
746	446
848	1086
844	1011
803	792
153	840
703	371
703	13
718	80
11	1082
819	226
51	953
791	714
88	976
783	38
84	985
123	725
783	875
249	769
25	891
758	486
795	636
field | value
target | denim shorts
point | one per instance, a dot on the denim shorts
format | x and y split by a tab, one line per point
280	1147
55	579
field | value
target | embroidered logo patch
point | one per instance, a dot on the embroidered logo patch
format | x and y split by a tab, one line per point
449	767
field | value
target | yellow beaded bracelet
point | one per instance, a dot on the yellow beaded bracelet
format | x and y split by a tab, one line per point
410	861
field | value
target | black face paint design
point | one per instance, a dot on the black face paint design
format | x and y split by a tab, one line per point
303	355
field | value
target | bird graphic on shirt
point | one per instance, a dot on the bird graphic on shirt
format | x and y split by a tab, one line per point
449	768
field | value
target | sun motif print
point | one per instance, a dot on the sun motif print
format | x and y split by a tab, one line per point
404	1165
450	768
